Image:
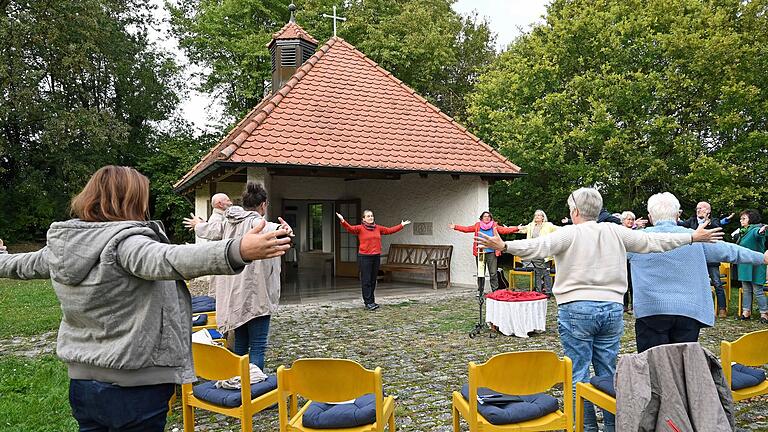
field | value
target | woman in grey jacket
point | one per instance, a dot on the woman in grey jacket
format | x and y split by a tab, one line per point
126	312
246	301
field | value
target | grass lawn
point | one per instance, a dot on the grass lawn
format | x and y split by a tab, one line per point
27	308
34	395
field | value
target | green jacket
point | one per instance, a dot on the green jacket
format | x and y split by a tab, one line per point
755	241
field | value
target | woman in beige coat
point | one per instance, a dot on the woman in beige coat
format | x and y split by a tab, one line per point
245	302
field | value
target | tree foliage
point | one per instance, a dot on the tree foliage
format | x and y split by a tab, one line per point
422	42
633	97
81	87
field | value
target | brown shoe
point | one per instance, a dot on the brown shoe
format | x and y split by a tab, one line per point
722	313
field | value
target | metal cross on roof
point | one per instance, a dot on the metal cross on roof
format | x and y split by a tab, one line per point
335	18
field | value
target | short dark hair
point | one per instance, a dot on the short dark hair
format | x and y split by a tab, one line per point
485	213
752	214
254	195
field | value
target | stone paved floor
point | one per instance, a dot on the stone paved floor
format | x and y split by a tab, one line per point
422	346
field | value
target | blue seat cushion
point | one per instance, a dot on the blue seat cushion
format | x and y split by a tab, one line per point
208	392
203	304
215	334
604	384
744	376
336	416
199	320
512	409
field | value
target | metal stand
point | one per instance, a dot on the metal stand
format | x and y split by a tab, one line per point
481	325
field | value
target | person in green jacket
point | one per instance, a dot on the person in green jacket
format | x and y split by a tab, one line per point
751	235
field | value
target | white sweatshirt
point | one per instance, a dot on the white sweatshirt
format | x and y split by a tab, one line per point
591	258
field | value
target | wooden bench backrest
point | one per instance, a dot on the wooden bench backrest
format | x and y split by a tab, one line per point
417	254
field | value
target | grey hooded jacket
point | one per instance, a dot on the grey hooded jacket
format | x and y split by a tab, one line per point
126	312
675	387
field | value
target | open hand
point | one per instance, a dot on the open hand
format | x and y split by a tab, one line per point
495	242
256	245
452	226
704	235
762	229
641	223
338	215
191	221
405	222
284	225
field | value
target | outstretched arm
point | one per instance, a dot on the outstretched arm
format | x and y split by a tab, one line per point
32	265
462	228
394	229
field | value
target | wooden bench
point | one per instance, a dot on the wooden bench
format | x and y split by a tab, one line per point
415	258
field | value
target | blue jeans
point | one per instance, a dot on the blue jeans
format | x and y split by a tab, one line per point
590	332
102	407
714	278
251	339
748	288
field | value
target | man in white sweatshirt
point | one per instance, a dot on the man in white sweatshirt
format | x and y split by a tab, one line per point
591	261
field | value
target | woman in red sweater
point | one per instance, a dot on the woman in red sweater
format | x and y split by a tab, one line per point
369	251
486	225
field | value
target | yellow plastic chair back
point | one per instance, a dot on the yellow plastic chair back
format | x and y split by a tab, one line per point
217	363
518	373
330	380
749	350
517	266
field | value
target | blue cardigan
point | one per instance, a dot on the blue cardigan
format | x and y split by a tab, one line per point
676	282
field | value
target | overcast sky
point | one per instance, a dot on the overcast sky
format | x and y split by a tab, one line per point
507	18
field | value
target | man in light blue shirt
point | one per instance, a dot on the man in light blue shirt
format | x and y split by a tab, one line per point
672	298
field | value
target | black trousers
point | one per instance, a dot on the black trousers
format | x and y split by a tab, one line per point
658	330
369	269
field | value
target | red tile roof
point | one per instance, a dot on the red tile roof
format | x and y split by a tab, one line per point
292	31
341	110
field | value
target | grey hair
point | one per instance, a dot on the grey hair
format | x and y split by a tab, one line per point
217	197
541	212
627	214
663	206
588	201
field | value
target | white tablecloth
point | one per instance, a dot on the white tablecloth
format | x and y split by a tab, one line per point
517	318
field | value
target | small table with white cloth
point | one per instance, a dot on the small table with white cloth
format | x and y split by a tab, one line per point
516	313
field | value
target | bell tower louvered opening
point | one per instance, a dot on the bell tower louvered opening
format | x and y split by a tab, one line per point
289	49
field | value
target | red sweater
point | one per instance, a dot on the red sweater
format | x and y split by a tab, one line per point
476	229
370	240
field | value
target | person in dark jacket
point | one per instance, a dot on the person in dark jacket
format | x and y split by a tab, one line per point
125	332
704	213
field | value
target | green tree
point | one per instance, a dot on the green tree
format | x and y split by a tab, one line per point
81	87
171	153
422	42
633	97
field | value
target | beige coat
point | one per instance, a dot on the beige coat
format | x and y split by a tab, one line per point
256	291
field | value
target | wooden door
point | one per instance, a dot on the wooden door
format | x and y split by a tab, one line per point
345	245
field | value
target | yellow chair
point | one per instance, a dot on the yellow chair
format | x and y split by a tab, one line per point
518	269
217	363
748	350
517	373
725	276
597	397
211	324
330	380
